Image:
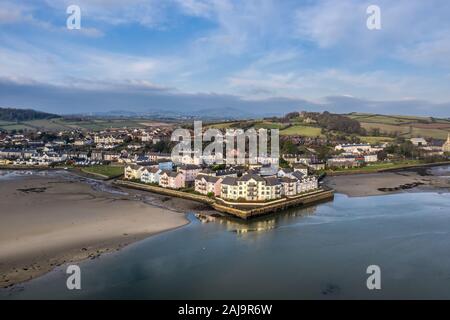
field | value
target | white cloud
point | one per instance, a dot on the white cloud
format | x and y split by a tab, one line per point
68	64
328	23
199	8
311	84
414	31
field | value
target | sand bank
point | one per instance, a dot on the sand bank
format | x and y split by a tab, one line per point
49	221
361	185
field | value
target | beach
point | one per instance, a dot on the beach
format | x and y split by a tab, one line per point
371	184
50	220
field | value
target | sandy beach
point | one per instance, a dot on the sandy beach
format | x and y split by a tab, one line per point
412	180
47	221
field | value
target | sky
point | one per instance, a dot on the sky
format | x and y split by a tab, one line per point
254	57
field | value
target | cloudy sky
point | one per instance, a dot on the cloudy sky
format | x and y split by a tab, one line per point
253	56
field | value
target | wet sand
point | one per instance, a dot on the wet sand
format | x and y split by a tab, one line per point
361	185
47	221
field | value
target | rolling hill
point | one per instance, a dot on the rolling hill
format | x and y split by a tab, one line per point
405	126
18	115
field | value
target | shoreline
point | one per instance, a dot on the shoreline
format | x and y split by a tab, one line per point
81	189
417	179
69	220
423	166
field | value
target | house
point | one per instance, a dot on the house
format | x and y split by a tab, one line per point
231	172
96	155
317	165
291	158
27	153
418	142
108	139
271	190
146	137
5	161
134	146
111	156
343	162
284	172
431	151
164	164
251	187
306	184
371	158
187	158
446	145
141	159
46	158
82	142
289	186
10	153
206	184
354	148
229	189
133	171
301	168
155	156
172	180
207	172
268	170
151	175
190	171
271	161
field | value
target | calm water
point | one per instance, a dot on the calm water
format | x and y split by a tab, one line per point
319	252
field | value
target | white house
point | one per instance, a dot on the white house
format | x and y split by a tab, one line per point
151	175
371	157
418	141
133	171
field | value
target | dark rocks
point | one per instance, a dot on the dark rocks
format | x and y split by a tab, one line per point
402	187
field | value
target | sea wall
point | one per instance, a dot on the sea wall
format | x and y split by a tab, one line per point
237	208
164	191
271	207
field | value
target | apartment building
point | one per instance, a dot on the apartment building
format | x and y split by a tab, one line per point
151	175
206	184
189	171
251	187
172	180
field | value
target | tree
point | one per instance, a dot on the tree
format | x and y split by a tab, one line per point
288	147
382	155
283	163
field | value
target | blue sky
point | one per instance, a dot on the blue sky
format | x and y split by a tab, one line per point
259	57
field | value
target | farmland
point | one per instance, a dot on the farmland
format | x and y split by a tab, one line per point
57	124
404	126
104	171
306	131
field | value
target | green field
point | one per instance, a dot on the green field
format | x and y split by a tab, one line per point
375	140
60	124
305	131
105	171
221	126
269	125
386	119
405	126
381	166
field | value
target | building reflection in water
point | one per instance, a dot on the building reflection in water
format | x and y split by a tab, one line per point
265	223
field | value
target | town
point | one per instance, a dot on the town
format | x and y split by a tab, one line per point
141	157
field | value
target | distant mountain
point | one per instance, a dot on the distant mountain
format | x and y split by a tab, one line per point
204	114
12	114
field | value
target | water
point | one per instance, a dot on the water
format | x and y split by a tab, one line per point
443	171
320	252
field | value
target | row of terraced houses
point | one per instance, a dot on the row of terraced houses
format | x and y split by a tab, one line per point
229	184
